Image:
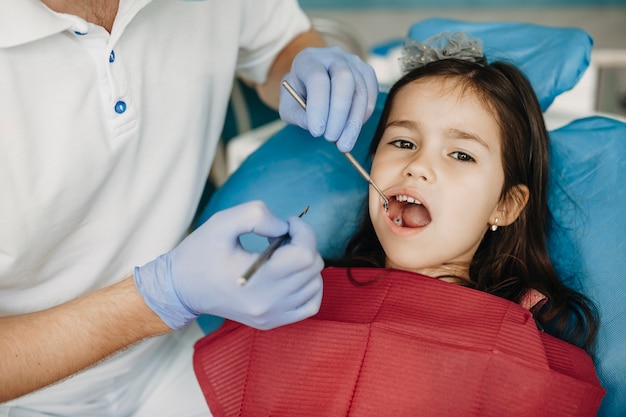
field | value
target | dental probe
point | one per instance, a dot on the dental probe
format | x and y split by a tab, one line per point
264	256
348	155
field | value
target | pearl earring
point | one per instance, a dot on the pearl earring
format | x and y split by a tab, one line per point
494	226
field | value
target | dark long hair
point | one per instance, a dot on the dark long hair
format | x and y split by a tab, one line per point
514	259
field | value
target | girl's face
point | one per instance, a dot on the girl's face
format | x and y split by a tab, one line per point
439	163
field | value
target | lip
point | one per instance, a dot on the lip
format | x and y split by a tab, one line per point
391	193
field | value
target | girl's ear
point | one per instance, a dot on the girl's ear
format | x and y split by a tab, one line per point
511	205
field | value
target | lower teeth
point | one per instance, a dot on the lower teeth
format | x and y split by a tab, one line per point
398	221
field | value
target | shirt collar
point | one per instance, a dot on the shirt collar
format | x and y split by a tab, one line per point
26	21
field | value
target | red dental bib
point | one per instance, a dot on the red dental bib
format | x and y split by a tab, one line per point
405	345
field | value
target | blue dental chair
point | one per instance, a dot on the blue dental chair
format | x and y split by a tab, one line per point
586	193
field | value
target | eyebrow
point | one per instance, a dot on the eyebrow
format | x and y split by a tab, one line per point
460	134
407	124
451	132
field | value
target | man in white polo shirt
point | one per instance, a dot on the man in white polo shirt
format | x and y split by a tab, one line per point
109	116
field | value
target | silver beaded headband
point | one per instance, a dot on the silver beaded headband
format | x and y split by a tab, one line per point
442	46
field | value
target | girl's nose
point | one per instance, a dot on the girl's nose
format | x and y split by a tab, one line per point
421	167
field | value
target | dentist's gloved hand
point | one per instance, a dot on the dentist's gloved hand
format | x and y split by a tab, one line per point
340	91
199	276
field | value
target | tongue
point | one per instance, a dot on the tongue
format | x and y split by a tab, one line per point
415	215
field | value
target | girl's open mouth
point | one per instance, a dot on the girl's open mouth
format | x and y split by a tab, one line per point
406	211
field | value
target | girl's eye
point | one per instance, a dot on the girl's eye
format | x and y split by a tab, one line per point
462	156
404	144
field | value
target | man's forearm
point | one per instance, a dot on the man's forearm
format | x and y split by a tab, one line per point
270	91
41	348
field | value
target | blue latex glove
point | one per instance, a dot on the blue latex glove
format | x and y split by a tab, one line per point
340	91
199	276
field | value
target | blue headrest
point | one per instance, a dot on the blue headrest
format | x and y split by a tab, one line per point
553	59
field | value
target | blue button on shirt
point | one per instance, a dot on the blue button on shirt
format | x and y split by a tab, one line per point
120	107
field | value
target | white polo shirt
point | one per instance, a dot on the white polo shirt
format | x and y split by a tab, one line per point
106	139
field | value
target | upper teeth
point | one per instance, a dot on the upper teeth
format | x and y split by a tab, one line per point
407	199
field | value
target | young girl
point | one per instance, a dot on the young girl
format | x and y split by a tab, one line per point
430	311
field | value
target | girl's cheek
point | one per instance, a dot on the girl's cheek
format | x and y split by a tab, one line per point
375	172
382	171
